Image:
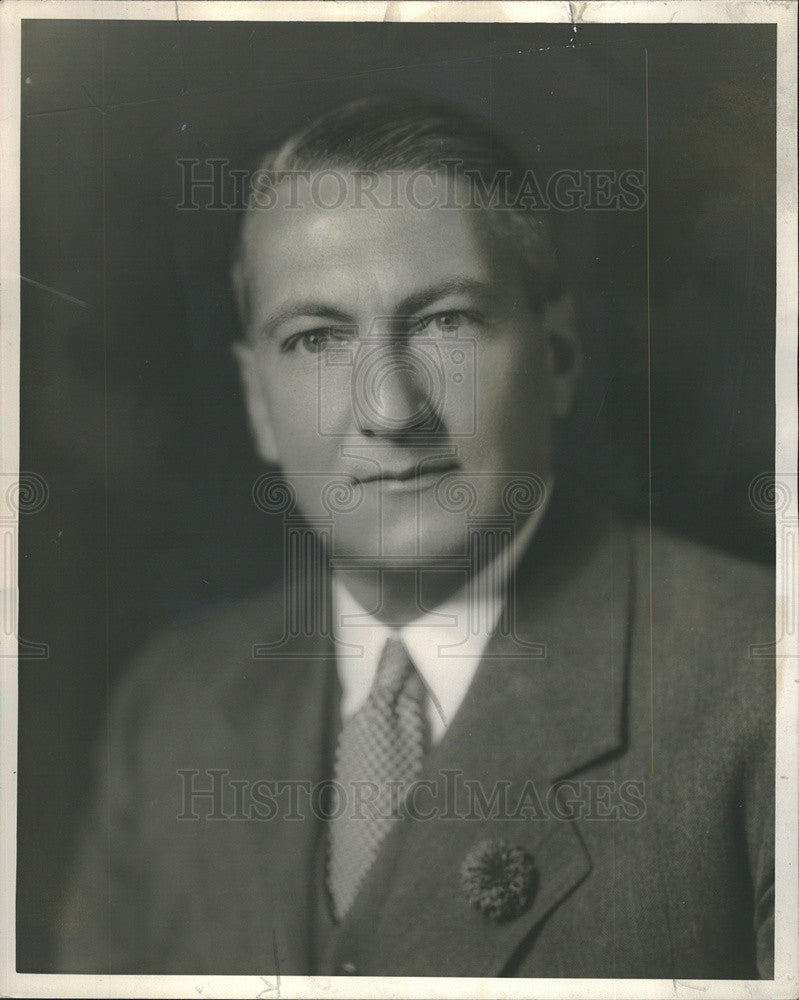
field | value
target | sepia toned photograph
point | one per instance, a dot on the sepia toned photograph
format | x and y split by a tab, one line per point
401	523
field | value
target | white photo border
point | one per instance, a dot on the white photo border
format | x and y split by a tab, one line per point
784	16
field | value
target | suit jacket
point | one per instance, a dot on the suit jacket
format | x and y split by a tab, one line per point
623	737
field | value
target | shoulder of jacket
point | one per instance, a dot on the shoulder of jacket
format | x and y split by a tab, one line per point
686	570
197	657
710	622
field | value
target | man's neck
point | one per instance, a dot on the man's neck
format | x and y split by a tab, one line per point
400	596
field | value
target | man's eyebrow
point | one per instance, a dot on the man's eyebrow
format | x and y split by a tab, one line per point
292	310
417	301
408	306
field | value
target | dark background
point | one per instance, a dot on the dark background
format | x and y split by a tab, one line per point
130	407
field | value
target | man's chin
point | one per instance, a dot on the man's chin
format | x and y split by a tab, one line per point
400	545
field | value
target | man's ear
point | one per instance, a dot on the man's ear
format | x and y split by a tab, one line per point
559	327
255	397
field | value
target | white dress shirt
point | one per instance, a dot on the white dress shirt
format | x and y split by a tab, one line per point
444	649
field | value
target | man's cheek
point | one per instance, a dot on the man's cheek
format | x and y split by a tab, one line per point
306	455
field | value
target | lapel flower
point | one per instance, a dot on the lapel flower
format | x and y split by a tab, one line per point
499	880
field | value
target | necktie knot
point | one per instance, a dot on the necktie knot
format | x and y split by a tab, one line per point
393	672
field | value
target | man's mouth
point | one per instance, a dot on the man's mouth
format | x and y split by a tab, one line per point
417	476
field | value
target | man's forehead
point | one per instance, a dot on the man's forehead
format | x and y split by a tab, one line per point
307	211
293	244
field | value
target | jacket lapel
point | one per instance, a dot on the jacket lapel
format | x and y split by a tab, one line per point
295	681
527	721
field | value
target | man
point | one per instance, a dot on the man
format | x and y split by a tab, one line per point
482	729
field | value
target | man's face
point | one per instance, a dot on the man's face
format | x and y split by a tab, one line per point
391	351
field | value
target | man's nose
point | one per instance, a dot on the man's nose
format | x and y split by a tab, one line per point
394	391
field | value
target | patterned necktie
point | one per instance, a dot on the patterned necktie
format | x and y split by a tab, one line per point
379	755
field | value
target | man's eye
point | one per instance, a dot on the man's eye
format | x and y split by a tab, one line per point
445	322
317	340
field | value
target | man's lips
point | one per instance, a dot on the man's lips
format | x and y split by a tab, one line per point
408	474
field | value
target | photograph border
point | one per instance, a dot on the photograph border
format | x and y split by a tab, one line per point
784	16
